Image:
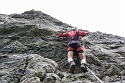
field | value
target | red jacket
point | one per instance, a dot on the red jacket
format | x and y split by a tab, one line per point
72	35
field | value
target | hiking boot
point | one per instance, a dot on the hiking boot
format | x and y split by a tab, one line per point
83	67
72	67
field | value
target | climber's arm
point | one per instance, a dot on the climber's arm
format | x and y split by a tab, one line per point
62	35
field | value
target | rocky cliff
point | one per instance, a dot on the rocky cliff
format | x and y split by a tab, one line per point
31	53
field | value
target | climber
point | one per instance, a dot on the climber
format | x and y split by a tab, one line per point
74	44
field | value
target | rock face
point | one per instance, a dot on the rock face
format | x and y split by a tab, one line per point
31	53
24	68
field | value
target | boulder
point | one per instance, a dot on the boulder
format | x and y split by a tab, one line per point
25	68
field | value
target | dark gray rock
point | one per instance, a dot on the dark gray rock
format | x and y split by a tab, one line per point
23	68
28	37
51	78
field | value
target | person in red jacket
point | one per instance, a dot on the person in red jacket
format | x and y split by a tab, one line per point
74	44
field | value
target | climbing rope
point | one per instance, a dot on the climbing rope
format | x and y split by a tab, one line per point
95	75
